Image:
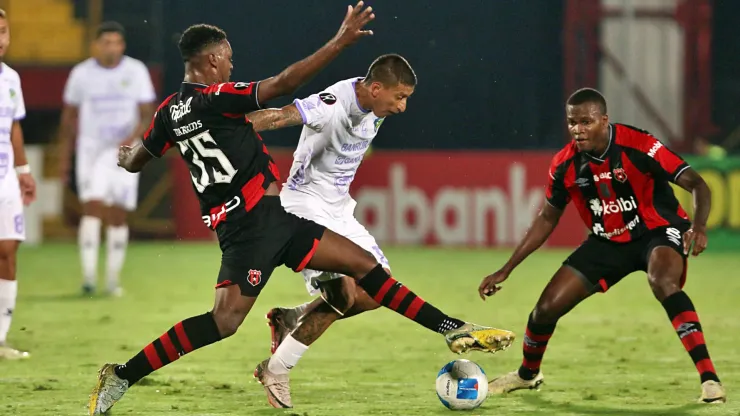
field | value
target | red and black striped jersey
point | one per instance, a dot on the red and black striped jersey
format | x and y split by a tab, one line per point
229	164
623	193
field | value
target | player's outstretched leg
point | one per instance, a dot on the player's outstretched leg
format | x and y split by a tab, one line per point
342	295
8	294
666	272
338	254
565	290
228	313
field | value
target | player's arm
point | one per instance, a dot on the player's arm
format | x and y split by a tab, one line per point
155	144
691	181
300	72
539	231
275	118
25	179
665	164
73	95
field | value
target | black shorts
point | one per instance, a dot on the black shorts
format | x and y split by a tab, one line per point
602	264
266	238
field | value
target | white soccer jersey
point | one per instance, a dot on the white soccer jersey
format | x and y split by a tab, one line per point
108	100
336	134
12	108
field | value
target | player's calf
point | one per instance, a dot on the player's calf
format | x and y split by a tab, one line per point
665	271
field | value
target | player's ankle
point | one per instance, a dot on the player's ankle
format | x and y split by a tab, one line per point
527	374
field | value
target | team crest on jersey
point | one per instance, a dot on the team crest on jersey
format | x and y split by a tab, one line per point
255	277
378	122
12	94
328	98
620	175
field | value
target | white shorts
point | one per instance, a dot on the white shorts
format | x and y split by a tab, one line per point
348	227
12	222
99	178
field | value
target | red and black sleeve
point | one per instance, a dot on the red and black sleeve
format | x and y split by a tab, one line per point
232	97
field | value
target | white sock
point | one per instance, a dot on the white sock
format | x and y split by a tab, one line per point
88	238
8	293
286	356
116	242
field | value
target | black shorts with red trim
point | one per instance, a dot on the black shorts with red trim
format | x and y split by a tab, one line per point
264	239
602	263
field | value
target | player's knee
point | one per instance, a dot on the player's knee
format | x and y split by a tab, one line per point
228	319
663	284
664	273
546	312
362	264
339	293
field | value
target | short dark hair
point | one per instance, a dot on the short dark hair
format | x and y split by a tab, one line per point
198	37
109	27
588	95
391	69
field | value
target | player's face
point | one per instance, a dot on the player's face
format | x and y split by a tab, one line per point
390	100
587	126
4	36
110	47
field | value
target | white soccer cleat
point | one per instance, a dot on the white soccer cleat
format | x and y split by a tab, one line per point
511	381
109	389
712	392
277	386
7	353
115	292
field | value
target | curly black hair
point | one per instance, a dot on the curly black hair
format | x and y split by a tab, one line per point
198	37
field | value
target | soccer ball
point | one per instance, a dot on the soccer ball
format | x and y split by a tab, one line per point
462	385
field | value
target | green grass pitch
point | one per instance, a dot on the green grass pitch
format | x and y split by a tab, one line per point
616	354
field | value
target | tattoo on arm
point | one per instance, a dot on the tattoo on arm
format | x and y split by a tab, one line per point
273	119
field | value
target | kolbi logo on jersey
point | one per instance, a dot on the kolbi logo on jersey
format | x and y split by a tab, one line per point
600	208
179	110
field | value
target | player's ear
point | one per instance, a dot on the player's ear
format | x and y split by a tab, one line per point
375	88
212	60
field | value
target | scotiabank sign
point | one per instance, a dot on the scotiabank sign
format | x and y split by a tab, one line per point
453	198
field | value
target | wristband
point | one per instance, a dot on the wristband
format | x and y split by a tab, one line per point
23	169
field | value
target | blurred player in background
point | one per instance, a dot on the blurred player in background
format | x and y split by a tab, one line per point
340	122
17	188
618	178
108	101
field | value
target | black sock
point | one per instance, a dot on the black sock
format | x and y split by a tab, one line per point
188	335
390	293
535	342
683	316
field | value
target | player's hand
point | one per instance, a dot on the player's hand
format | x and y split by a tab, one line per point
489	285
123	154
696	236
28	188
354	21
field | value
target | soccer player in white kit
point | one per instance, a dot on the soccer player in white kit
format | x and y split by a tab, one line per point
339	124
17	188
108	102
